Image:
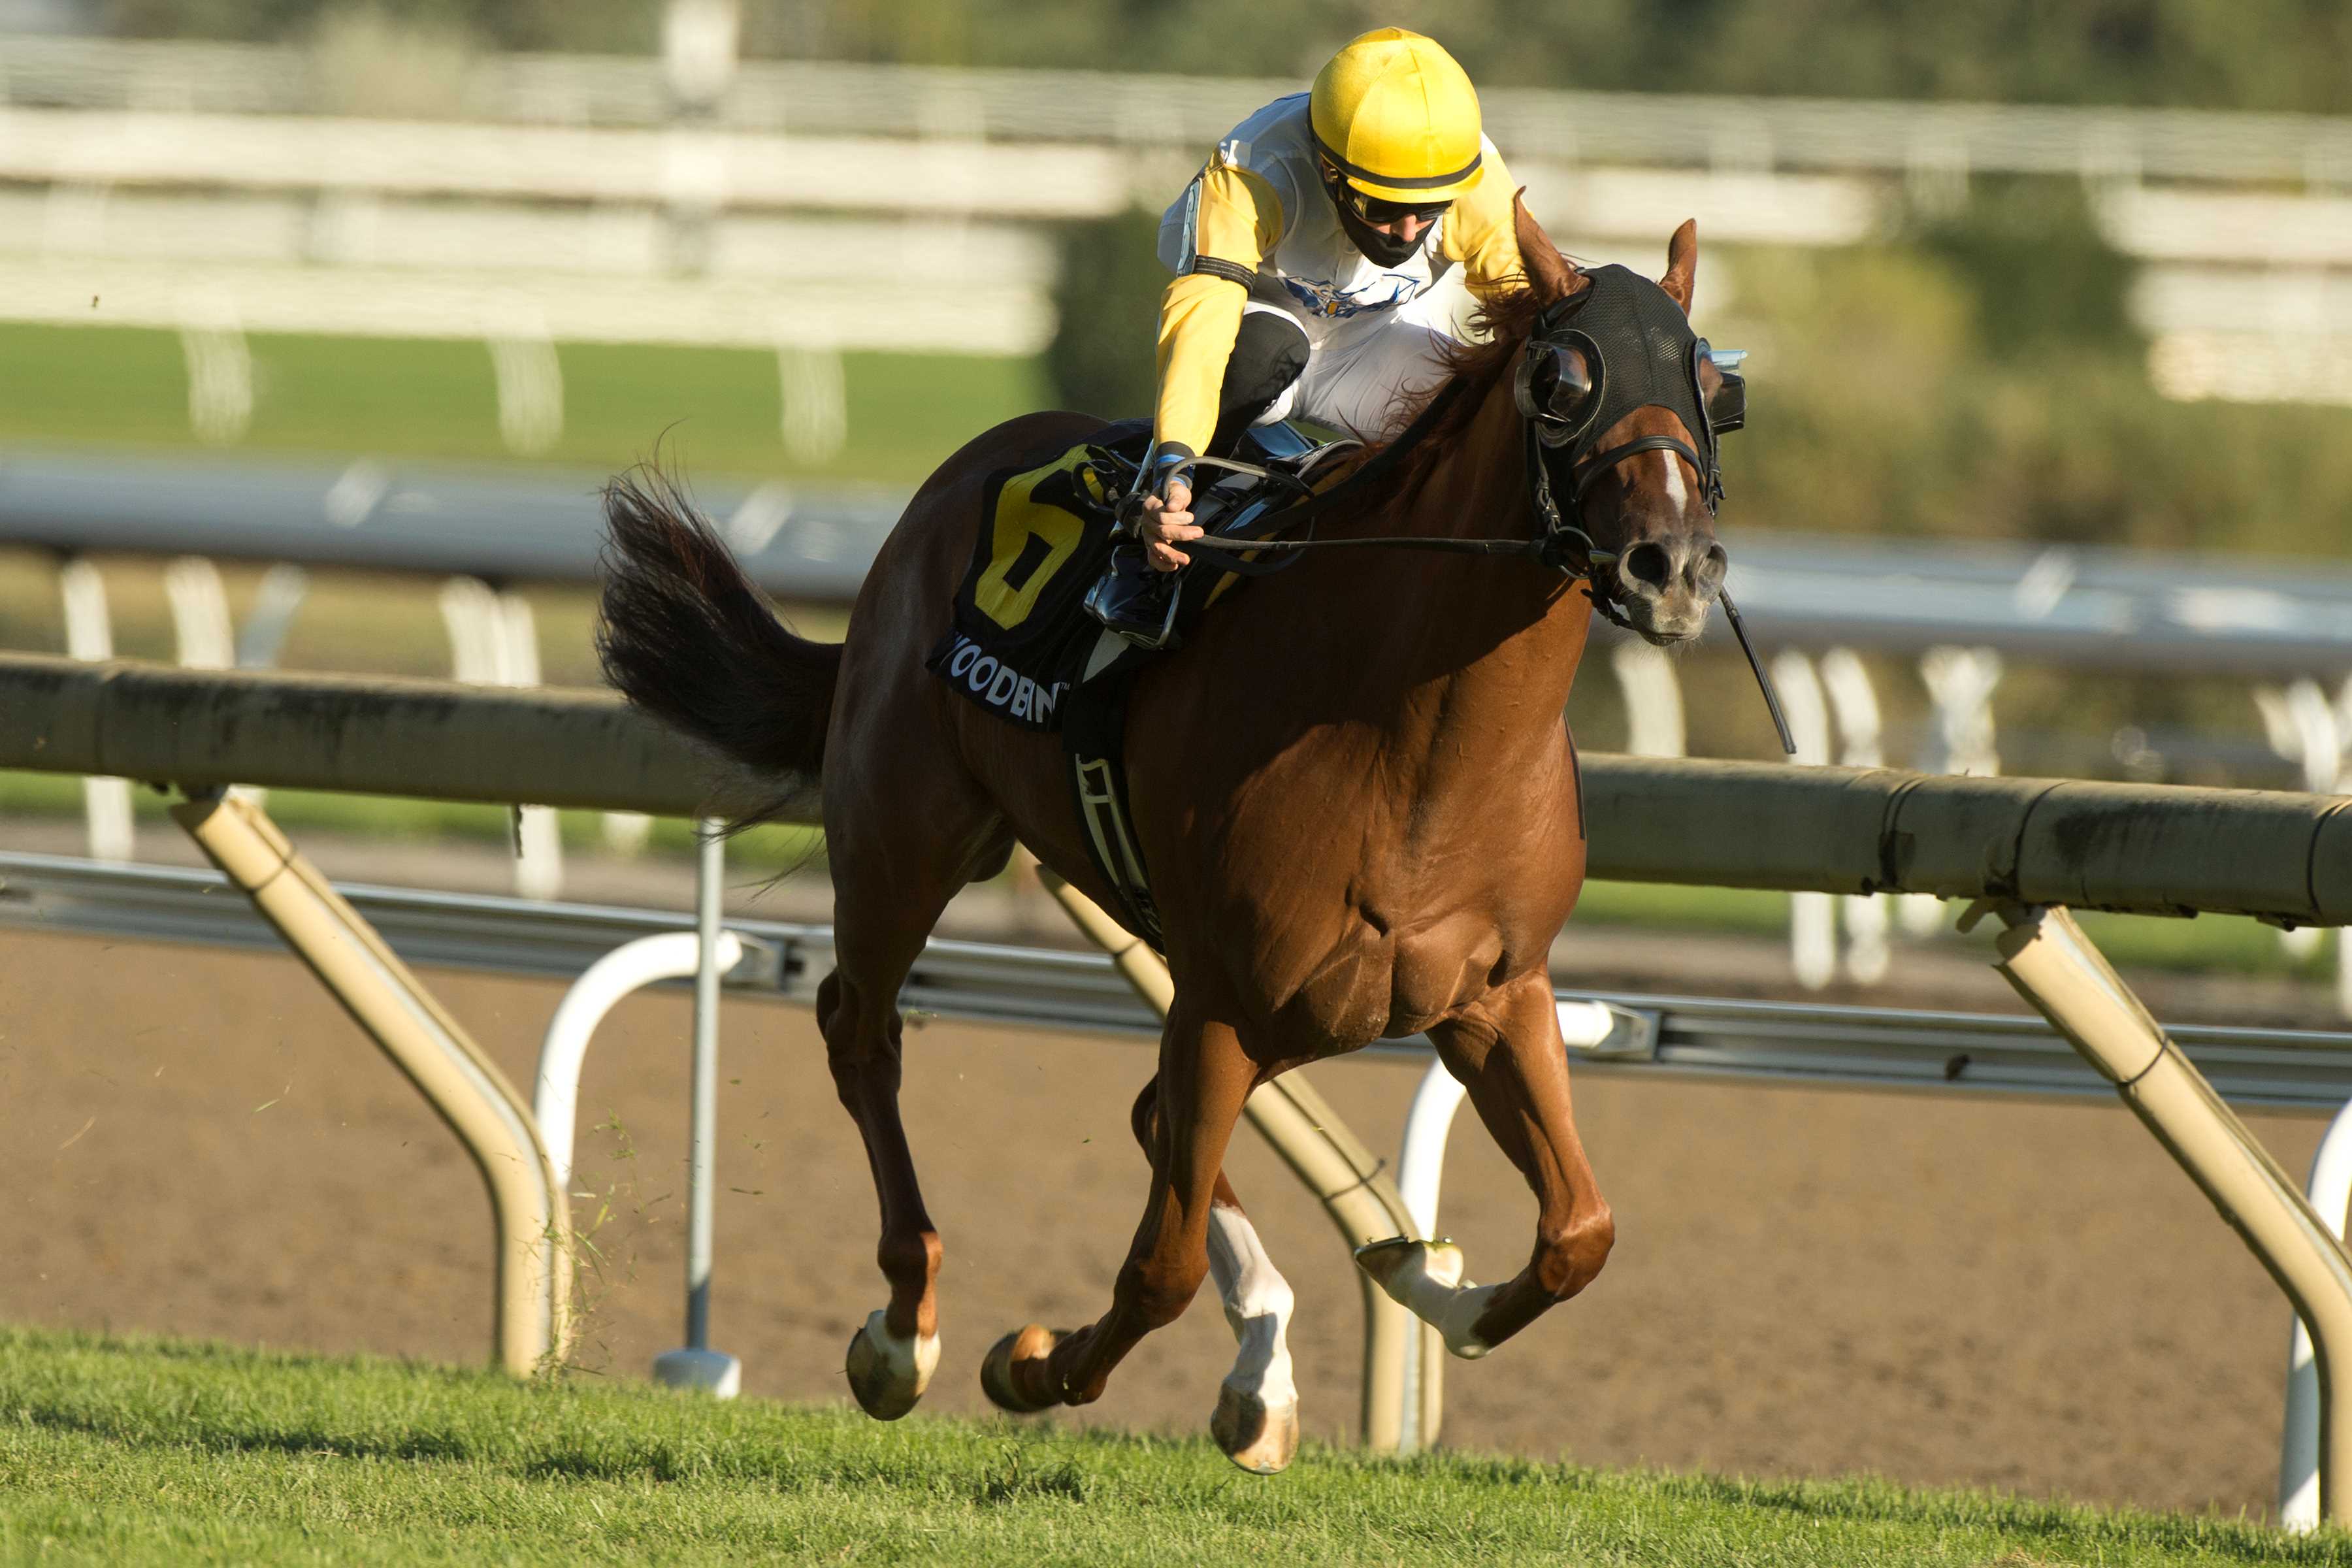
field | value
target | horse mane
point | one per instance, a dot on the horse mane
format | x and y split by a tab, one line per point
1497	328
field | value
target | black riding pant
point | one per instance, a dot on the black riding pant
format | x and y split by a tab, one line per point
1269	353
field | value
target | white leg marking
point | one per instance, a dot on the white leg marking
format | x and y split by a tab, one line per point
910	1363
1425	1279
1259	1303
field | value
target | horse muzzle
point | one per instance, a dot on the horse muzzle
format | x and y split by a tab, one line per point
1666	587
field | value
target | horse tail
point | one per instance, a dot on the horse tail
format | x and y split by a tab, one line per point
683	635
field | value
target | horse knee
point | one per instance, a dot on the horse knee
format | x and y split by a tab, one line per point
1570	1258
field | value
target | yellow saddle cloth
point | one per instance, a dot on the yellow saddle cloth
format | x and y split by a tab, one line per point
1020	636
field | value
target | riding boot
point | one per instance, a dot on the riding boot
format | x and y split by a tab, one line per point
1134	600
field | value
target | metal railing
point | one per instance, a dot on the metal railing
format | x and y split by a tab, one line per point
1792	1044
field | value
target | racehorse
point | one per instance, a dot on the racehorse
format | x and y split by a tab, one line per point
1353	788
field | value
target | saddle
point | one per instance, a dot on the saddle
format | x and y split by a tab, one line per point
1022	647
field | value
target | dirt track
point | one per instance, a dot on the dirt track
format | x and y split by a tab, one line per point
2016	1295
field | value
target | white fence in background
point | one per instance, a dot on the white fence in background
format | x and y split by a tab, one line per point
1927	142
128	160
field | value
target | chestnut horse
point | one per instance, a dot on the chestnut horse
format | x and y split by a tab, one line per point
1353	788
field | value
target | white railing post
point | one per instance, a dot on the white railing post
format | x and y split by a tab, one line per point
2330	1191
1854	706
1653	699
1812	917
1960	682
493	642
90	635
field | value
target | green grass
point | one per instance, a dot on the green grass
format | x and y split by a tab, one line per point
136	1451
438	399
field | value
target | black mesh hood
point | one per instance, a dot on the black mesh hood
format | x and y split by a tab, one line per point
1642	347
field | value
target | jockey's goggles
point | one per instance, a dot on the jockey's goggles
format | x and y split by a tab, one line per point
1373	209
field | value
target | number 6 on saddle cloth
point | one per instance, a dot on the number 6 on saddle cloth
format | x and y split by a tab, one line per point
1022	647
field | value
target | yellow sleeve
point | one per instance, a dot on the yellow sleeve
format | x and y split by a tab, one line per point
1234	219
1200	316
1482	233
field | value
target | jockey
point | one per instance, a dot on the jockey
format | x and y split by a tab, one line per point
1302	252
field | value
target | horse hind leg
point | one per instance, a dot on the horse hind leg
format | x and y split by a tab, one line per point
1256	1419
891	1357
1034	1368
881	924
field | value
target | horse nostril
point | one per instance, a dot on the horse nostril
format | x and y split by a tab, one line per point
1707	570
1648	564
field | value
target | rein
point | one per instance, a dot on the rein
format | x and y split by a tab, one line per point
1552	547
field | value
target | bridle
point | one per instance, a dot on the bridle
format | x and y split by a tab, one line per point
1562	387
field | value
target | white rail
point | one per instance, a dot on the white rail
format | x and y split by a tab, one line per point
1899	138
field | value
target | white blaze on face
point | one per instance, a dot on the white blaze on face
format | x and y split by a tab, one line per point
1257	1303
1675	492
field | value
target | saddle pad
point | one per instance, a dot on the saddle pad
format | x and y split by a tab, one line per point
1020	637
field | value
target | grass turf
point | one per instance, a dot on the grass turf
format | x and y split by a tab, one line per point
438	399
135	1451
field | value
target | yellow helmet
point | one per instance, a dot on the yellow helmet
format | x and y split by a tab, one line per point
1398	118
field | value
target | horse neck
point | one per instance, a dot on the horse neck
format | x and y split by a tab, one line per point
1482	651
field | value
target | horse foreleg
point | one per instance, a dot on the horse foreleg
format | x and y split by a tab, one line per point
1256	1418
1205	1077
1506	1051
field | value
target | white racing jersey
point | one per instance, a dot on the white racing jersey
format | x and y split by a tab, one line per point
1257	222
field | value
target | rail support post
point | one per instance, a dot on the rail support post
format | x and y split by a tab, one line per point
533	1291
2045	955
1356	1191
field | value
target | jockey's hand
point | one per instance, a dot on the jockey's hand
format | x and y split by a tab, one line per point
1166	524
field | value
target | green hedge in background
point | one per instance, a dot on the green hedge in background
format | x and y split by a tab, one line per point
1107	308
2222	54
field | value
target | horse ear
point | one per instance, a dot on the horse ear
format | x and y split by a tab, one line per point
1682	264
1548	272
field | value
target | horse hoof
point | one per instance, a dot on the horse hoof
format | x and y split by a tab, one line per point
1002	1369
1260	1440
887	1373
